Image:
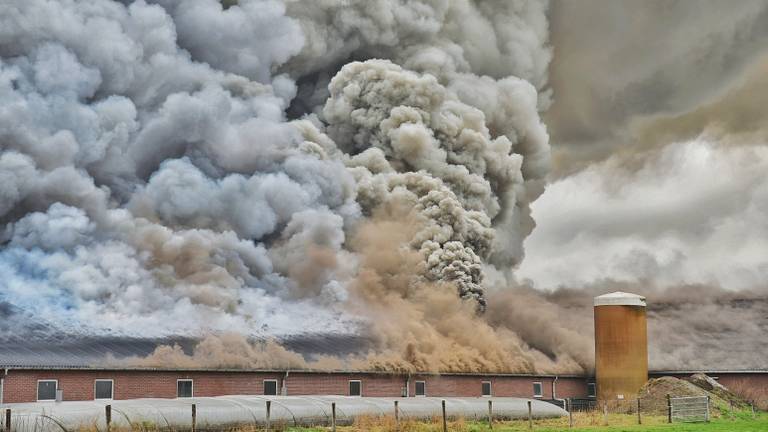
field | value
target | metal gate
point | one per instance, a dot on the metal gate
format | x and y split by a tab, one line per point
689	409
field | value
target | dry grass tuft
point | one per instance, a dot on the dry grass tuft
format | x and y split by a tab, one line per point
755	396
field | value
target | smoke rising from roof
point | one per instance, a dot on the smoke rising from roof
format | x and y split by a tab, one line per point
368	168
415	324
153	184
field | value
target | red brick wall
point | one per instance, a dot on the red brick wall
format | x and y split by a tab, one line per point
220	384
501	386
572	387
471	386
21	385
338	384
444	385
520	386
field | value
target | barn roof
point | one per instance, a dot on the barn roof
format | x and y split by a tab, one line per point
29	341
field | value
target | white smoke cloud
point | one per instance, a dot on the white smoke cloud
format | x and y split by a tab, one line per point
248	40
174	167
61	227
152	184
180	194
137	173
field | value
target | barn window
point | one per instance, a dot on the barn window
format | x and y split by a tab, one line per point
538	390
46	390
103	389
270	387
421	388
486	388
184	388
355	388
591	390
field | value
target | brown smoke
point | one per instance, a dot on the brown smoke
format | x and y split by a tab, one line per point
420	326
228	350
415	324
690	327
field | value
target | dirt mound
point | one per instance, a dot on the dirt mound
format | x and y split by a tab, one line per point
714	387
654	393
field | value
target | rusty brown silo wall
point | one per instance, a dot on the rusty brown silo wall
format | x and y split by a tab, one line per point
621	351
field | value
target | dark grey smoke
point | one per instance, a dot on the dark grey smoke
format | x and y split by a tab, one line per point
620	63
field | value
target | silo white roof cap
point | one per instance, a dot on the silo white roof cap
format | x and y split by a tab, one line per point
619	298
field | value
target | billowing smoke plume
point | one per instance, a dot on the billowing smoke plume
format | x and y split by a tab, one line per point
184	167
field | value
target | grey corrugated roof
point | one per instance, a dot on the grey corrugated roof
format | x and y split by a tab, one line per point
76	351
28	341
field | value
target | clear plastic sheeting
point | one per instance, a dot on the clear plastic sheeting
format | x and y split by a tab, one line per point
215	412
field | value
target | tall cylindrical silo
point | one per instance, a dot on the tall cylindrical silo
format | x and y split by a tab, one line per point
621	345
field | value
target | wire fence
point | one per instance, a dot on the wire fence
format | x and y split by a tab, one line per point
252	414
655	409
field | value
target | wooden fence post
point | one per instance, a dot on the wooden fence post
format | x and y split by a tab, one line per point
269	414
753	410
108	413
397	417
669	409
706	414
605	413
490	414
445	420
194	417
530	416
570	413
7	420
333	416
639	420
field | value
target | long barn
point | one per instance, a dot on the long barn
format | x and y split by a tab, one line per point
30	384
78	384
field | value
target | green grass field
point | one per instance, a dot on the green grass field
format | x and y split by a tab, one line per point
714	426
584	422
